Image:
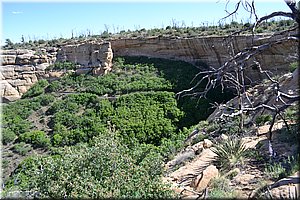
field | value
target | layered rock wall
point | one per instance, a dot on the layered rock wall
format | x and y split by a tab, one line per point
89	55
20	69
210	50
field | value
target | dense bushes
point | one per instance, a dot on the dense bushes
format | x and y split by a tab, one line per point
110	170
62	66
146	117
126	79
36	89
136	104
36	138
138	117
8	136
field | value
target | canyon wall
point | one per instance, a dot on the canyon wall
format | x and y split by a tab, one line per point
20	69
210	50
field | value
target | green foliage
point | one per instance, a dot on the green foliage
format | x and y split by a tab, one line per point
62	66
21	108
139	117
262	119
54	86
36	89
220	189
255	154
16	125
230	153
287	167
46	99
293	164
9	44
146	117
293	66
291	113
22	148
36	138
5	163
275	171
290	135
70	127
170	146
8	136
109	171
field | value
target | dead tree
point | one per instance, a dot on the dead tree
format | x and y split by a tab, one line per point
232	72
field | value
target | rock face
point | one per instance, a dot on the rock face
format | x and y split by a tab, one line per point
20	69
211	50
93	54
202	180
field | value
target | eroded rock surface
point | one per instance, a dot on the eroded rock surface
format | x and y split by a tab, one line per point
20	69
211	50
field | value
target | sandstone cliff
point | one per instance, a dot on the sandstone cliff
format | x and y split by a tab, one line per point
210	50
20	69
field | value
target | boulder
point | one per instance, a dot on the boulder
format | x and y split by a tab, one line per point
22	89
203	179
207	143
244	178
8	90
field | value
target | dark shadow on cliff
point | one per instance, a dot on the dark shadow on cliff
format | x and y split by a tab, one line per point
180	74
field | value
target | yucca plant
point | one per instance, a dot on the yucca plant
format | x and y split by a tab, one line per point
230	153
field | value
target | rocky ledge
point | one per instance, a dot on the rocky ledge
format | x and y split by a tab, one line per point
20	69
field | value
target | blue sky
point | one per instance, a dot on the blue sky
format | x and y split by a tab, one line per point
48	20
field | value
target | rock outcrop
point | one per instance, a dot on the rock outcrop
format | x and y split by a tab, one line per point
211	50
20	69
96	55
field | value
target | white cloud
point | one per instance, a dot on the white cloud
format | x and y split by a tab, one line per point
16	12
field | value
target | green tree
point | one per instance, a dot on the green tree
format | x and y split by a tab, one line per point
104	169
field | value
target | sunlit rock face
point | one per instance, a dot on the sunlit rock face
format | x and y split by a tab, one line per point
20	69
88	54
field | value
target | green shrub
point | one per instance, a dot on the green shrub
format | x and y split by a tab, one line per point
146	117
36	89
293	66
219	188
46	99
54	86
8	136
262	119
16	124
259	30
62	66
110	171
275	171
22	148
5	163
57	140
36	138
230	153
